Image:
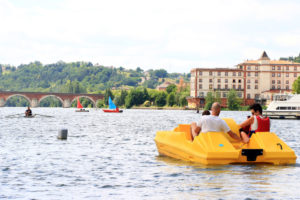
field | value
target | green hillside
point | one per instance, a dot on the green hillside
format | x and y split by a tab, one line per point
78	77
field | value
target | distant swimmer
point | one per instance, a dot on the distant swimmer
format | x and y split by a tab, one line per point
28	112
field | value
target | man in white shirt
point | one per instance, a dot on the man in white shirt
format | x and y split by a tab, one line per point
212	123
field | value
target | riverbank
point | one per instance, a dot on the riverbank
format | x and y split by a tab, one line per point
161	108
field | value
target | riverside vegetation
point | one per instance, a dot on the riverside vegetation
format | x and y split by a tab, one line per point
126	87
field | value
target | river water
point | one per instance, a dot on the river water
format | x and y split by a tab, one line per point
113	156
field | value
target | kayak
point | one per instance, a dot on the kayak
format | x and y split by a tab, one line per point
82	110
30	116
220	148
112	111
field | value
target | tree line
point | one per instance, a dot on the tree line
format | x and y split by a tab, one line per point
78	77
233	101
146	97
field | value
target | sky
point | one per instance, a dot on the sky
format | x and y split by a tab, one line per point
157	34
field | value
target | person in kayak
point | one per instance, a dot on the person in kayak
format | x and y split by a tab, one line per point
255	123
212	123
28	112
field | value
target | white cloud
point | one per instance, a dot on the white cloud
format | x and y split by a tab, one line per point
176	35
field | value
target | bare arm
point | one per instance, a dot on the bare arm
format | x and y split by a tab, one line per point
247	122
195	129
234	136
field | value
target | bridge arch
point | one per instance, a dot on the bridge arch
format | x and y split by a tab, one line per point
14	95
89	98
51	95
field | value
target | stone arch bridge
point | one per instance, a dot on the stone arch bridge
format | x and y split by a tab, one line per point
35	98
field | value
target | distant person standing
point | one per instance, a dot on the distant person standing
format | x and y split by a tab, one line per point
28	112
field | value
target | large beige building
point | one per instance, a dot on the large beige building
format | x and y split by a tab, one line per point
252	79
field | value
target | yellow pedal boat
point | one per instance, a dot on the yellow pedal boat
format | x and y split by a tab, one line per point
220	148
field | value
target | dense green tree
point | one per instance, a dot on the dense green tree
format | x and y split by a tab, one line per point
121	99
108	94
233	101
209	100
183	101
160	73
171	88
171	99
150	83
17	101
160	99
145	95
296	86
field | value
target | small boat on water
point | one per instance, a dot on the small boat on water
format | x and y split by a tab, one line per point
220	148
29	116
112	107
284	106
80	107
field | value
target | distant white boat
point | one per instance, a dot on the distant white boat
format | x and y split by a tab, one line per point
284	106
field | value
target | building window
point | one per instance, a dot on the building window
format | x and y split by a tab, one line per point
240	81
287	74
240	73
278	82
219	73
256	96
226	86
278	87
210	86
210	80
295	74
295	68
249	73
233	74
239	94
256	67
256	87
273	81
256	81
256	73
287	68
249	67
226	73
278	75
287	87
219	86
248	81
200	80
240	87
200	86
273	74
224	95
287	81
210	73
200	73
241	67
278	68
273	87
248	86
273	67
248	96
233	86
226	80
219	80
233	80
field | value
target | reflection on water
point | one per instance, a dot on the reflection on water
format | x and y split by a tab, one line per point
113	156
